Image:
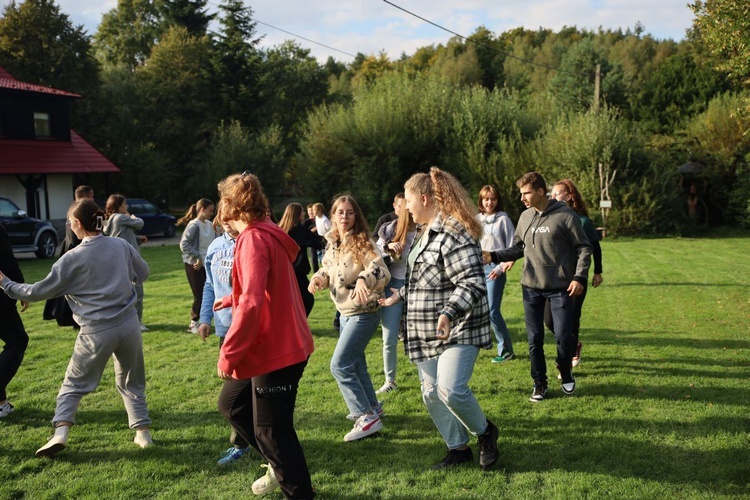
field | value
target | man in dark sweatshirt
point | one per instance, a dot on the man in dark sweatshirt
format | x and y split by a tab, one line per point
557	257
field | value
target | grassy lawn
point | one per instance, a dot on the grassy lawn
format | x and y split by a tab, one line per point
661	410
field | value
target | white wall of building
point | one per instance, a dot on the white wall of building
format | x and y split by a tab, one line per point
11	188
60	195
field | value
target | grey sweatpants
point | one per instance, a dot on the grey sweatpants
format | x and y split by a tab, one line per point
90	356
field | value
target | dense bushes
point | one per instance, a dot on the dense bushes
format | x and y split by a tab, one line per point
400	125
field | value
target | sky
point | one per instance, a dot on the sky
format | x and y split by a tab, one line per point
371	26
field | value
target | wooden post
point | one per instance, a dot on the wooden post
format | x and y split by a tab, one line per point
597	86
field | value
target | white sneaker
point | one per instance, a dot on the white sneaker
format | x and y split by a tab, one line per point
193	327
266	483
367	424
58	443
6	409
387	387
143	438
144	328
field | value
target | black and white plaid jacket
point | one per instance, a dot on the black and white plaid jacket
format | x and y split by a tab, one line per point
447	277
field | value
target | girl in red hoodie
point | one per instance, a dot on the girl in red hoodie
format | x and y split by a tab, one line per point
268	344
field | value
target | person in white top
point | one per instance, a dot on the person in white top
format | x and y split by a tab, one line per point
498	233
395	240
198	235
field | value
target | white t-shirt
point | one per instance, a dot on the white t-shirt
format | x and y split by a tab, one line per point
323	224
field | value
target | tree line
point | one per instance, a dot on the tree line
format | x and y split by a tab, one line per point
178	98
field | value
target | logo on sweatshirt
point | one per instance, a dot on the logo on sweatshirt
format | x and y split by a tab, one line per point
542	229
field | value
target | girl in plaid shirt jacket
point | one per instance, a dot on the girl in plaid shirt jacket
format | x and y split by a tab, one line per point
447	316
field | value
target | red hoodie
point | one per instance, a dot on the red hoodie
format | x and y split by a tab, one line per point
269	328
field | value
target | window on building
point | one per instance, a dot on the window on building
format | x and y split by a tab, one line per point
41	124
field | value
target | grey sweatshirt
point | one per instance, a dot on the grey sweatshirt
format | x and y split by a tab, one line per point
123	226
96	278
555	248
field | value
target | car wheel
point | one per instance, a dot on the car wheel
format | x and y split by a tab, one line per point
47	246
170	231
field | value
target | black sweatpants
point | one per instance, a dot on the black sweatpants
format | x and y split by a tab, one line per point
14	336
261	411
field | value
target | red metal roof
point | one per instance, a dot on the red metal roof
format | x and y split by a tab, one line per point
8	82
52	157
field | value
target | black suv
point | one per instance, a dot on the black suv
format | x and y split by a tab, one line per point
27	234
155	220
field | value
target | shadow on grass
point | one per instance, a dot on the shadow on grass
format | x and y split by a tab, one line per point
538	444
701	284
664	338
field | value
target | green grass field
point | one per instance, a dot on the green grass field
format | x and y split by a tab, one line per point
662	408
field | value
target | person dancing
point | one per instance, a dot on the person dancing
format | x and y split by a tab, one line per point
102	297
354	271
268	344
447	316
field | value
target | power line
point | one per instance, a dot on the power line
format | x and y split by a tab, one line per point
493	49
293	34
303	38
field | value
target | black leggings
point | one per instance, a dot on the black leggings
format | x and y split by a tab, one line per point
13	334
196	279
261	412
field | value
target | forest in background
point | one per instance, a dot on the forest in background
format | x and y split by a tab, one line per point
178	98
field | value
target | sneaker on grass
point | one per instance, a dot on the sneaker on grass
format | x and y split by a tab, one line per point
266	483
6	409
488	452
58	442
232	455
387	387
366	425
568	381
453	458
143	438
505	357
193	327
540	392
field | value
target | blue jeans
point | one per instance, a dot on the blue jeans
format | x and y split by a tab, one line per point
445	391
390	321
349	365
495	289
561	307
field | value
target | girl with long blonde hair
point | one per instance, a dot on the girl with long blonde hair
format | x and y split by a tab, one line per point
395	241
447	317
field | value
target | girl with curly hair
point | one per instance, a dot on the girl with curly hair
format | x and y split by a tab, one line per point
356	274
268	343
447	317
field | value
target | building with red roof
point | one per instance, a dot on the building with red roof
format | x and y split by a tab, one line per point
39	153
